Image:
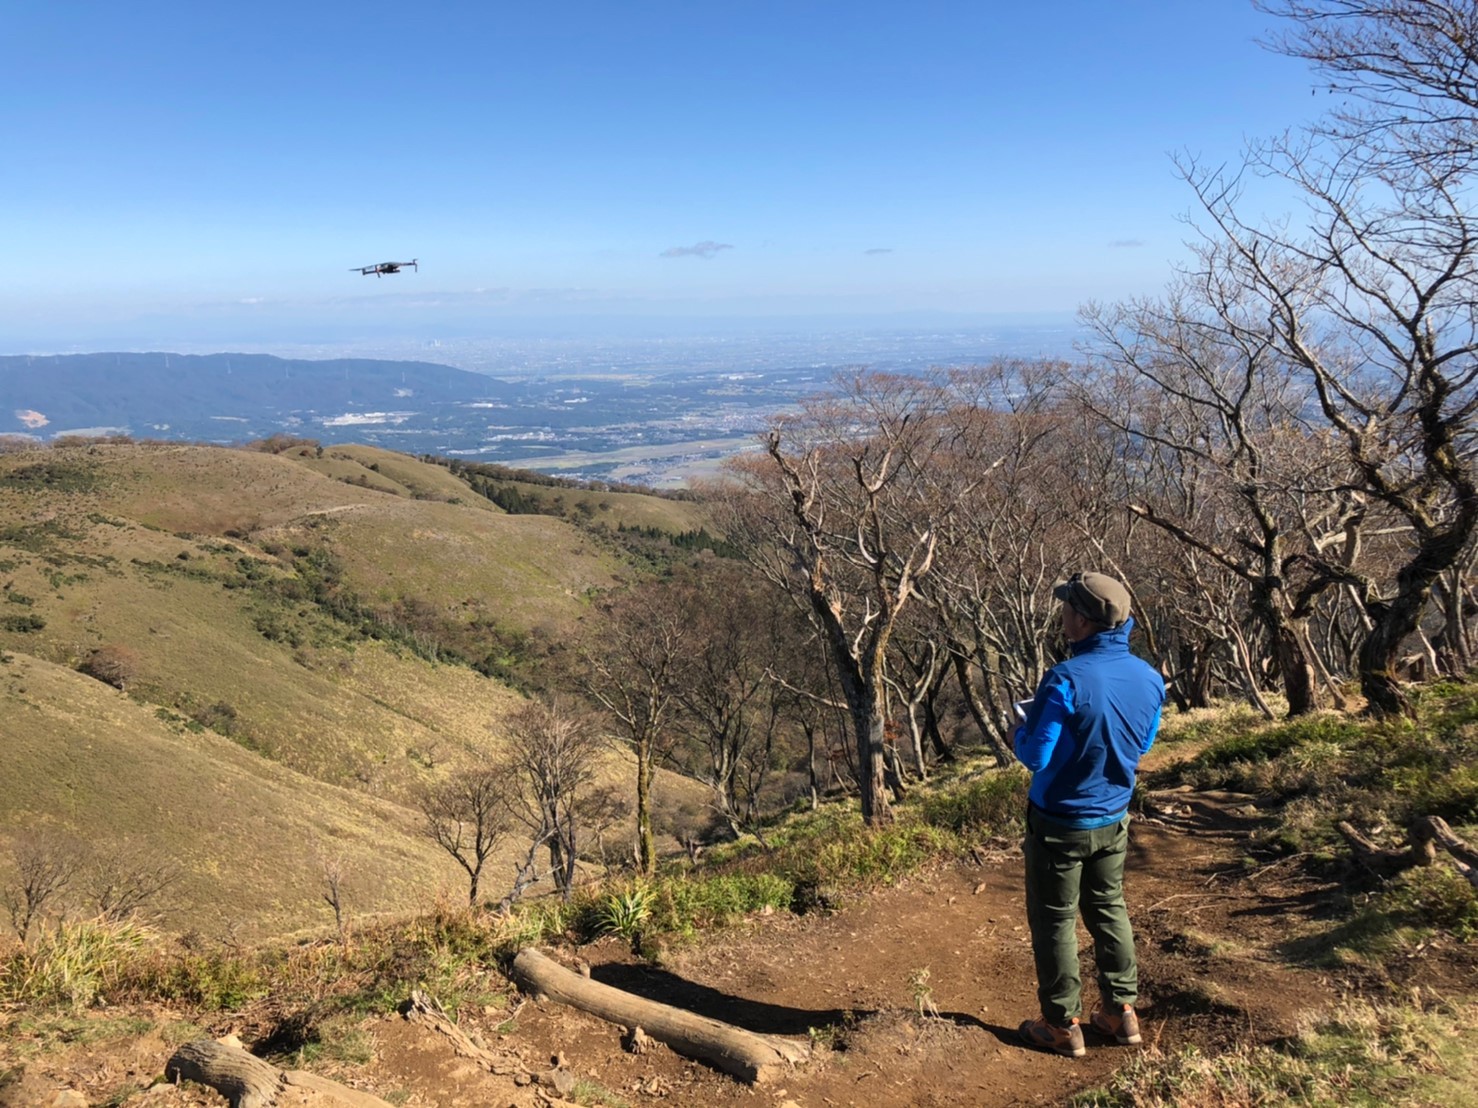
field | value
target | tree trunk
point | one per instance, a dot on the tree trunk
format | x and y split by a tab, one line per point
248	1082
1395	620
1297	671
942	752
751	1057
810	730
868	722
1378	681
978	711
646	843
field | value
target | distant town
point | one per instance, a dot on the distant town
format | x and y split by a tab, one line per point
645	410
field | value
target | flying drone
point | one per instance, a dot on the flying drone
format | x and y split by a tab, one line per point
380	268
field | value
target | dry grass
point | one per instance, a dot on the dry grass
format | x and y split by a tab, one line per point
1361	1054
256	731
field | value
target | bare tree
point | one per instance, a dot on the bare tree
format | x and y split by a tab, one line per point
1406	70
630	656
128	879
468	816
334	871
1195	381
551	761
46	866
1009	536
1364	298
1375	307
733	718
851	518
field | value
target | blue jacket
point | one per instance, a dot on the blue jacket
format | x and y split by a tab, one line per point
1092	719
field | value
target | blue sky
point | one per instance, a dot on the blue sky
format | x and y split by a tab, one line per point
217	168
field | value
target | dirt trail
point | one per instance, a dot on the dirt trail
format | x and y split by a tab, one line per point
853	981
1209	978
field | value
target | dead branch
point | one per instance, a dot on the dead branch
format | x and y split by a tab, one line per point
1424	837
423	1009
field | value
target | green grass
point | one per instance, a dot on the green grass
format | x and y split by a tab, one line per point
46	1029
1381	776
1327	768
591	1092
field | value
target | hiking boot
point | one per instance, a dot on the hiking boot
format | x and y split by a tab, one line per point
1066	1040
1121	1026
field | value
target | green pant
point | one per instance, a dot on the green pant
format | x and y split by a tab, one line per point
1067	868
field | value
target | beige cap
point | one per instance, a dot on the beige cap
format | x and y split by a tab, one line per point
1095	596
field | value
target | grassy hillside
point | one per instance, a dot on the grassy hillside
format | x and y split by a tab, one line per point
387	471
269	613
249	835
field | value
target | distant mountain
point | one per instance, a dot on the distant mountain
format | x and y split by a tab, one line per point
217	396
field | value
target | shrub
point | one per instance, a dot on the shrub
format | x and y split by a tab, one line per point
992	804
72	965
214	981
112	665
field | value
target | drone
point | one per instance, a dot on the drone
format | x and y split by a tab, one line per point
380	268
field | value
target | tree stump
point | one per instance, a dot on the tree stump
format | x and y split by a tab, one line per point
248	1082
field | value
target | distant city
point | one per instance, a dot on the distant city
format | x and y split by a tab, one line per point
645	410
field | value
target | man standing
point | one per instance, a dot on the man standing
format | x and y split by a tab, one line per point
1092	719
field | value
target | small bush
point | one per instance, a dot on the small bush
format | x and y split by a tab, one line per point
72	965
625	912
214	981
992	804
112	665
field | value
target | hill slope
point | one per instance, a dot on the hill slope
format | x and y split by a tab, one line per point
249	835
267	615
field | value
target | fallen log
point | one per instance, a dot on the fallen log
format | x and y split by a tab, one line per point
1424	837
1378	859
248	1082
749	1056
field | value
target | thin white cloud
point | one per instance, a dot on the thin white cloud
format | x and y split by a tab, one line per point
1126	244
879	250
697	250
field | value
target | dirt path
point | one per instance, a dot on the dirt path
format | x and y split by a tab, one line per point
854	981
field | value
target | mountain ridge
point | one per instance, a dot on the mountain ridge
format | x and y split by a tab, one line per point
224	396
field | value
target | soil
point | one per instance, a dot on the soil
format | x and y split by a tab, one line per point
1215	947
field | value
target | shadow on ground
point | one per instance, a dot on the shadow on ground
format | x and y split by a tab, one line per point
665	987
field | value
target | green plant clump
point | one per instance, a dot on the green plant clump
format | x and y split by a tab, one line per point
992	804
72	965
